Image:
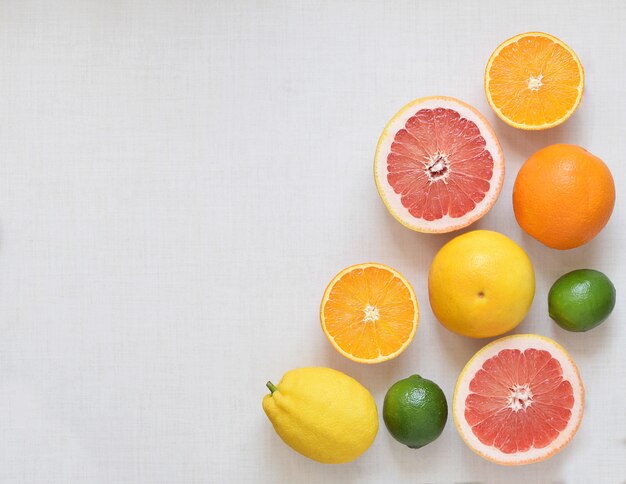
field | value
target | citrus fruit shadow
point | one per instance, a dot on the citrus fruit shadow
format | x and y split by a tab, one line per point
518	145
527	473
536	472
419	248
283	461
375	377
549	265
432	456
459	348
436	455
585	343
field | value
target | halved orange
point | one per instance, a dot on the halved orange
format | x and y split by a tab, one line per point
534	81
369	313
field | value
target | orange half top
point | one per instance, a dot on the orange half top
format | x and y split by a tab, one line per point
534	81
369	313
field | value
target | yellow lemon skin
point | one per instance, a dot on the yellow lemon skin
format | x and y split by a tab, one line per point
323	414
481	284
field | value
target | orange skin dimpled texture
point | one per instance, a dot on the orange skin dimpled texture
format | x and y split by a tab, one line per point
563	196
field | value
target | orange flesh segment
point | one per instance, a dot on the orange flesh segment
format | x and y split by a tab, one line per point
387	300
535	81
519	401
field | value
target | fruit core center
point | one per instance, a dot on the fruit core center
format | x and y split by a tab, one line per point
371	313
534	83
520	397
437	167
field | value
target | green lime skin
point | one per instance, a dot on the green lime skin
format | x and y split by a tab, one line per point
581	300
415	411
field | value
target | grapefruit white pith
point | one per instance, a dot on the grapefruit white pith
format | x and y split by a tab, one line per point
438	165
519	400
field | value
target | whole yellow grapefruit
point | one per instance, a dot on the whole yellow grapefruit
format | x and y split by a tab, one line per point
481	284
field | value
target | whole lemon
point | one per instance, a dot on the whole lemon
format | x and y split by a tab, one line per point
323	414
481	284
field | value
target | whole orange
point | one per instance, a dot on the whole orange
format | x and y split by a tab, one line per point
563	196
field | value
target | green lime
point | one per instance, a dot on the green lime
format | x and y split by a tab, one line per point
415	411
581	300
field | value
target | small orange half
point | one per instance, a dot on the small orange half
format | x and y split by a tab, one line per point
534	81
369	313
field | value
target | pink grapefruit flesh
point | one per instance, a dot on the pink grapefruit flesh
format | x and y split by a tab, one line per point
519	400
438	166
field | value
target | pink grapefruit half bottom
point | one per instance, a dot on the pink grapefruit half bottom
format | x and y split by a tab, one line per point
438	165
519	400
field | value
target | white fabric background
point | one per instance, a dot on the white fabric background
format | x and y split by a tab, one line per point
180	179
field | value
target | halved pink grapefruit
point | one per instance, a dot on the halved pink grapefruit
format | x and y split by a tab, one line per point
519	400
438	165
